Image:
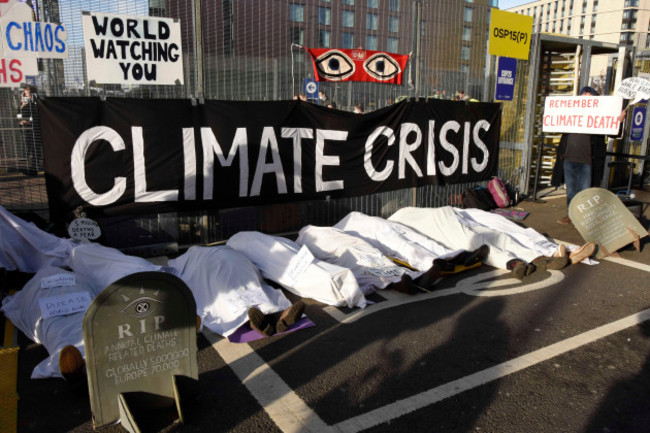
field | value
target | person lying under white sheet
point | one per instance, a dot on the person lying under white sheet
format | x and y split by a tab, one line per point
521	250
372	269
401	242
217	278
27	248
61	335
226	285
278	259
227	288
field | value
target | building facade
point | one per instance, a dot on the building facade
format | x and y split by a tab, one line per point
617	21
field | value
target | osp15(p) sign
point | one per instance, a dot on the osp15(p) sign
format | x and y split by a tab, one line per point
582	114
510	34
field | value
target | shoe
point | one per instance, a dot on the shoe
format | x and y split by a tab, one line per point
520	269
290	316
564	221
429	278
71	363
561	251
544	263
469	258
405	285
583	252
260	322
445	265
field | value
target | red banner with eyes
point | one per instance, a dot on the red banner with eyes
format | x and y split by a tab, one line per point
337	64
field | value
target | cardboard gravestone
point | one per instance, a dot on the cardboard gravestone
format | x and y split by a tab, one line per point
601	217
140	338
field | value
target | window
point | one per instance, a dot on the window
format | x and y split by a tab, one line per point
347	40
467	15
297	13
391	45
464	53
325	16
348	2
626	38
467	34
393	24
393	5
647	41
347	18
594	6
372	21
464	69
631	3
371	42
373	4
324	39
584	6
297	35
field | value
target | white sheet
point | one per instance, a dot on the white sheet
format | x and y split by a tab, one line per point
225	284
324	282
27	248
54	333
468	229
101	266
372	269
396	240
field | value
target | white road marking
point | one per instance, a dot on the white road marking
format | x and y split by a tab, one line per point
434	395
476	285
291	414
288	411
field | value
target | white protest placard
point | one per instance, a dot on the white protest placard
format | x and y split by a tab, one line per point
23	37
582	114
64	304
298	264
124	49
635	88
14	71
84	228
58	280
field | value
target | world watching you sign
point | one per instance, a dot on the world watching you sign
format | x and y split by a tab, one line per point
124	49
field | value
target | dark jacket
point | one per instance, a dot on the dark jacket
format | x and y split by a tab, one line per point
598	154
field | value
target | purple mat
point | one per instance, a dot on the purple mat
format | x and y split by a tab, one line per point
246	334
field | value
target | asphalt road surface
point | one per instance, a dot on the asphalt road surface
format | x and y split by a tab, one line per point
560	351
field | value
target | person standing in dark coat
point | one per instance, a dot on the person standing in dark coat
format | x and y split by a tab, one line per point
580	161
29	127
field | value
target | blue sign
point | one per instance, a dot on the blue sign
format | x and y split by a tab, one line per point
506	70
638	123
310	88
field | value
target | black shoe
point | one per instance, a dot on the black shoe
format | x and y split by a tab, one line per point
260	322
429	278
520	269
543	263
405	285
290	316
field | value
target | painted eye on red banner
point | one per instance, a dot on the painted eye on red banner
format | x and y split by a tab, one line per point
381	67
335	65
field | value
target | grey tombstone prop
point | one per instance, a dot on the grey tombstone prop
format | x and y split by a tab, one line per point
140	338
601	217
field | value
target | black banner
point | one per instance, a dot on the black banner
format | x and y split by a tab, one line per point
125	156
